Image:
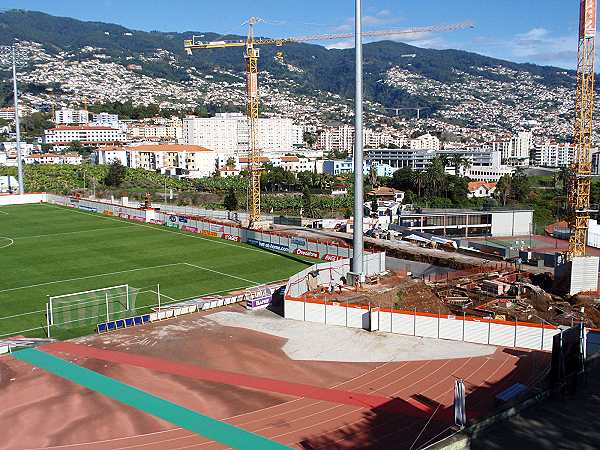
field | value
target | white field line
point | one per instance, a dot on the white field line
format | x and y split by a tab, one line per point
3	212
70	232
222	273
90	276
10	242
165	230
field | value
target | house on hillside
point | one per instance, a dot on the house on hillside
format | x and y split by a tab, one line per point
481	189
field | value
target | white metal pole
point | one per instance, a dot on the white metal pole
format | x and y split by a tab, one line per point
17	126
158	294
107	312
51	314
127	295
48	317
358	244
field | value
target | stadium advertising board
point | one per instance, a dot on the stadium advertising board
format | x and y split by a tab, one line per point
182	219
330	257
208	233
309	253
189	229
107	213
258	299
268	245
155	222
298	241
88	208
137	219
171	225
231	237
124	216
173	219
217	228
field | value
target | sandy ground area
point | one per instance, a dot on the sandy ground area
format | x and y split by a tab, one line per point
304	341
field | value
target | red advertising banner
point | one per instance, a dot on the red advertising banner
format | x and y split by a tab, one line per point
156	222
309	253
330	257
231	237
137	219
189	229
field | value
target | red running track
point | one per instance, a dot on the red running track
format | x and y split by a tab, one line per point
318	424
238	379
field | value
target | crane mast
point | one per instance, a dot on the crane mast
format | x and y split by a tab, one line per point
251	56
581	169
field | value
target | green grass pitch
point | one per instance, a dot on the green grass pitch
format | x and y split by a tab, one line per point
49	250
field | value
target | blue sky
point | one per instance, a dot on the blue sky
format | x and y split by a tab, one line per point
538	31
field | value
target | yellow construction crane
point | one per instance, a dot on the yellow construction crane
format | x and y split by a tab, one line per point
251	56
581	169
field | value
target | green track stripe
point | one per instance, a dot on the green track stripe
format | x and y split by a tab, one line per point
210	428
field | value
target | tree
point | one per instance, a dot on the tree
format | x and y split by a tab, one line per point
308	206
230	162
310	139
504	188
402	179
458	161
115	175
230	202
374	206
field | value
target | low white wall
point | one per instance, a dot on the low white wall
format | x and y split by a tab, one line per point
18	199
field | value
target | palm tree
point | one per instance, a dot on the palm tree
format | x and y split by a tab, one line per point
417	180
458	161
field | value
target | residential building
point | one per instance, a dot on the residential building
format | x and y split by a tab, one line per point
339	167
64	135
191	161
7	113
106	119
481	189
553	154
43	158
425	142
72	158
148	132
68	116
515	151
229	133
341	139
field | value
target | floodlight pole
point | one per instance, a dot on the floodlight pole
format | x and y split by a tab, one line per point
358	244
17	125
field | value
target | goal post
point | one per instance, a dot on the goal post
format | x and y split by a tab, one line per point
90	307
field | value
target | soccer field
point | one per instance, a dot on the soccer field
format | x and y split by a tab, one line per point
47	250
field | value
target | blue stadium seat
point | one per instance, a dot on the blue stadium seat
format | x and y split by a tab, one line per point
146	318
137	320
120	323
129	322
102	328
111	326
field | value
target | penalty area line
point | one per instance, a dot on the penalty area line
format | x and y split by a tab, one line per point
222	273
90	276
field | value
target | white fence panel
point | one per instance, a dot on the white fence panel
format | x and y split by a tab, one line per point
451	328
403	323
355	317
336	314
476	331
502	334
293	310
426	326
385	321
529	337
373	320
314	312
549	338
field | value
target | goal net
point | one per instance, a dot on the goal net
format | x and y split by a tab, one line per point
90	307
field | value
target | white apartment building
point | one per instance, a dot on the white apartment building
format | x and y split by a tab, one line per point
53	158
515	152
341	139
155	132
228	133
425	142
553	154
187	160
64	135
68	116
107	120
7	113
